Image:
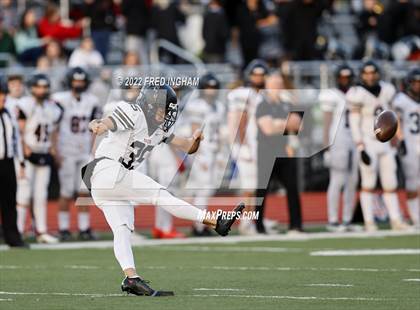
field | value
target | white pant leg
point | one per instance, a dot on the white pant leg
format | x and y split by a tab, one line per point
350	188
40	194
388	171
67	175
24	186
111	182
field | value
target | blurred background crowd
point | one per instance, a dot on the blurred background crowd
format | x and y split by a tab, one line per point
303	40
92	33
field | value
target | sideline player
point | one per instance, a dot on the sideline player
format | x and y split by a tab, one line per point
366	101
74	145
133	129
242	104
341	157
407	106
205	109
39	118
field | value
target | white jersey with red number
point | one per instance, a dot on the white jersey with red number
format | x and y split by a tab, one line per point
409	111
370	107
334	101
132	140
41	121
75	138
245	99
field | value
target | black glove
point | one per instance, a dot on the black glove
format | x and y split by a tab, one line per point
402	148
365	157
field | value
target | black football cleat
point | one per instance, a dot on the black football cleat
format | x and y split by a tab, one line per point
64	235
140	287
223	225
87	235
206	232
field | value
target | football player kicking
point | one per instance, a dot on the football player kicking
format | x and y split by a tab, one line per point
367	100
133	129
407	105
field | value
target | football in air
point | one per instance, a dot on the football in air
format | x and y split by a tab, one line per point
386	125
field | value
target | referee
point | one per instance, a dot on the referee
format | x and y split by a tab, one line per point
9	148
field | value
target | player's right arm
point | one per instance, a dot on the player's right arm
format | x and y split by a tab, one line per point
120	119
101	126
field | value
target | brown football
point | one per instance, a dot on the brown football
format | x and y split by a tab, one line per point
386	125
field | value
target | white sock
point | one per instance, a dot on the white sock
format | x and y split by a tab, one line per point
122	247
337	179
83	219
414	210
366	201
200	202
178	207
163	220
393	206
63	220
21	218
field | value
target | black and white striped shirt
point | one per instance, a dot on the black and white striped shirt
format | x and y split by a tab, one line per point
10	143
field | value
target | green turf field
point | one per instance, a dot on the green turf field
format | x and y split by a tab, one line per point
252	275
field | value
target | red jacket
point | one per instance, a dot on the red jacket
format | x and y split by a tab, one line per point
57	30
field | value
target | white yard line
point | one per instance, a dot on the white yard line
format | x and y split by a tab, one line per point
329	285
223	268
99	295
60	294
217	240
6	299
366	252
219	289
411	280
296	297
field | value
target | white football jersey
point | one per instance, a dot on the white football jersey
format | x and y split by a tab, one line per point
132	141
409	111
75	138
247	99
12	104
209	115
370	105
41	121
334	101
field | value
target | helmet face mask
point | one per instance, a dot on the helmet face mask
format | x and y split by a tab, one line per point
159	103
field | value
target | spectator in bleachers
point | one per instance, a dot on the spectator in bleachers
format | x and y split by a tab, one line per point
51	25
86	55
215	32
300	26
367	24
10	17
29	46
249	15
43	64
102	23
55	55
166	15
399	20
7	46
137	22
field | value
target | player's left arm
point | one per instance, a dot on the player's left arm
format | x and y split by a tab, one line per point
188	145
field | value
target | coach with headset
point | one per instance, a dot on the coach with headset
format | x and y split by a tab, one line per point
9	149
